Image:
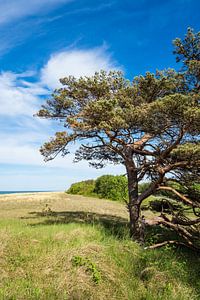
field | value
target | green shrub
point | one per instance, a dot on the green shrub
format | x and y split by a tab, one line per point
107	186
112	187
85	188
116	188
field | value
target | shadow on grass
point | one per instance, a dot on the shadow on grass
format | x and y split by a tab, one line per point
113	225
118	227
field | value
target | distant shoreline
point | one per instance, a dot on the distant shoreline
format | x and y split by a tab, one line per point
23	192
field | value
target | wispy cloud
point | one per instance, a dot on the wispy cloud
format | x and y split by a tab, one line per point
92	9
18	95
12	10
76	62
18	16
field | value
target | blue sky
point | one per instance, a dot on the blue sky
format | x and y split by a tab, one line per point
42	41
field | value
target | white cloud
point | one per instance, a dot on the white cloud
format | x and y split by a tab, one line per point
22	135
14	9
77	63
57	174
18	96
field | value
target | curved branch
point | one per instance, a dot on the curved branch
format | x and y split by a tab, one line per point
184	199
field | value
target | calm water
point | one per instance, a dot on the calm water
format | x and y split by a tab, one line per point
14	192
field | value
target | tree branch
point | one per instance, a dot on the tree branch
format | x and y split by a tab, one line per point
184	199
171	242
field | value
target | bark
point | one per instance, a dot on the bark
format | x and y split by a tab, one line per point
136	222
179	243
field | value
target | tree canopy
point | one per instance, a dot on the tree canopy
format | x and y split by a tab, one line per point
151	125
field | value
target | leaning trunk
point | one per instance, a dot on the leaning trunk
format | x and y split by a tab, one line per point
136	231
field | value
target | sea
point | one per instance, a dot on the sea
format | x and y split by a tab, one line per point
20	192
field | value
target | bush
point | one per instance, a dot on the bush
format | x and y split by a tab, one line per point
85	188
112	187
107	186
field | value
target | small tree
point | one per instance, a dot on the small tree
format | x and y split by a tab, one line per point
150	125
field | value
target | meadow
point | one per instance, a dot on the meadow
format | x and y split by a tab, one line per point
61	246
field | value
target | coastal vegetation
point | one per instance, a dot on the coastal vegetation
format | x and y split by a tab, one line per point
106	186
60	246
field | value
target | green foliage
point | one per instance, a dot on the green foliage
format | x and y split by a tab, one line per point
91	267
143	187
85	188
112	187
115	188
163	205
106	186
187	52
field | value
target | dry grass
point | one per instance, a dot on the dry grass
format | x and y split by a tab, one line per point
19	205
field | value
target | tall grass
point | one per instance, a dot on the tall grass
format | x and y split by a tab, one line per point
58	246
36	262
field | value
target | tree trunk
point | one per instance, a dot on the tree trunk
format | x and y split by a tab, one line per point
136	228
135	222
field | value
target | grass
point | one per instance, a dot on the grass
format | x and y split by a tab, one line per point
58	246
